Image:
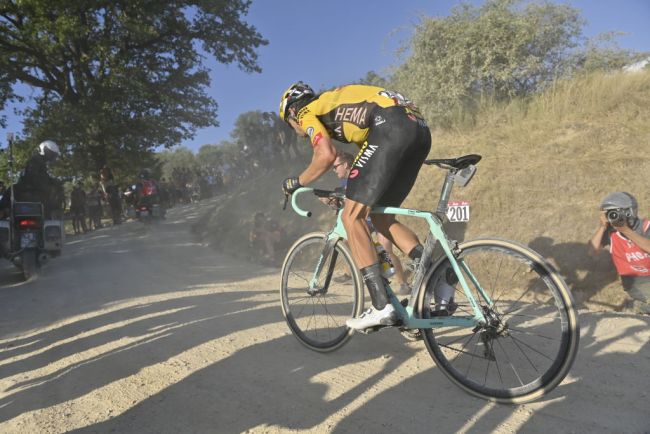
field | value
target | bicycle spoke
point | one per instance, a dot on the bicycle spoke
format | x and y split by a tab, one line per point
513	357
532	348
512	329
514	370
317	319
525	355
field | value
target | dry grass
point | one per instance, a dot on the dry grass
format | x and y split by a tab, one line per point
547	163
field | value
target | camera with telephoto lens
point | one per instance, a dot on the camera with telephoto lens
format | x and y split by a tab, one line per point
618	216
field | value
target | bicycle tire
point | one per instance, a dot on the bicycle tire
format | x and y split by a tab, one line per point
309	315
522	332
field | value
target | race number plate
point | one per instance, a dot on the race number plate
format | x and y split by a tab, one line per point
458	211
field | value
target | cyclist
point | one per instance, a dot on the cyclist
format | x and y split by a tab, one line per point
394	141
629	245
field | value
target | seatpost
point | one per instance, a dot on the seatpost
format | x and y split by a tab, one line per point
445	194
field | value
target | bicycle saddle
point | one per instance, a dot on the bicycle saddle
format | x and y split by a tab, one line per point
459	163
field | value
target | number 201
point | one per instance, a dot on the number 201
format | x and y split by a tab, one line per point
459	214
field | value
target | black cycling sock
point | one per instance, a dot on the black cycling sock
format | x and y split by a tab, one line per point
373	280
416	252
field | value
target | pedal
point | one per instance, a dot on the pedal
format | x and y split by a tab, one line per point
411	335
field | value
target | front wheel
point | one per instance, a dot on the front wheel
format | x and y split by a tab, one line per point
316	311
531	337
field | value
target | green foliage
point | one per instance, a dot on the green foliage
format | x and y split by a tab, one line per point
120	78
497	49
254	131
602	53
374	79
210	156
179	158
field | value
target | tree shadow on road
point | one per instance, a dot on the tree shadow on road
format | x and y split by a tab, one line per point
277	384
150	335
606	391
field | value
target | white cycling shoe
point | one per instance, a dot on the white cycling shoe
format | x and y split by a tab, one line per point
373	317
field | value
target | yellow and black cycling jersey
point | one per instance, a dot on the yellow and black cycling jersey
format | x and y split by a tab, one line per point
347	112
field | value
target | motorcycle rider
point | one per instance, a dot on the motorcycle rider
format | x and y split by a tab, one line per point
36	184
147	191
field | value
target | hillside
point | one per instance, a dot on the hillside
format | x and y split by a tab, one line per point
547	163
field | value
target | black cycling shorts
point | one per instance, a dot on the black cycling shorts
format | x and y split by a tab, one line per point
387	166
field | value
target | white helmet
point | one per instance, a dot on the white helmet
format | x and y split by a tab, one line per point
48	148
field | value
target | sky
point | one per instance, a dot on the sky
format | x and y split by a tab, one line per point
329	43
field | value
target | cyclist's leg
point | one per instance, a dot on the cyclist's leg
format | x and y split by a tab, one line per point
388	246
395	232
365	257
354	220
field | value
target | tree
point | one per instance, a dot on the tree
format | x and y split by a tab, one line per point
497	49
118	79
602	53
180	159
210	158
374	79
5	93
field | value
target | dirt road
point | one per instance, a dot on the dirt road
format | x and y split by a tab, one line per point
144	330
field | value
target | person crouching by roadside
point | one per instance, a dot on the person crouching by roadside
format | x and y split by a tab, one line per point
628	238
265	237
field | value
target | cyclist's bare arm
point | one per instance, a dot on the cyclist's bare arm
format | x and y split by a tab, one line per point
321	162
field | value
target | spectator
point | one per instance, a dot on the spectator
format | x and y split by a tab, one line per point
111	193
628	238
265	236
94	205
78	209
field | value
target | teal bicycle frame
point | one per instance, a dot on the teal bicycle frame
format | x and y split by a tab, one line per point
436	234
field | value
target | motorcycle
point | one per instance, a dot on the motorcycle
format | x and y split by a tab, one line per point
143	208
28	240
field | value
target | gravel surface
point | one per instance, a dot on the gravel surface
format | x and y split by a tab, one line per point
141	329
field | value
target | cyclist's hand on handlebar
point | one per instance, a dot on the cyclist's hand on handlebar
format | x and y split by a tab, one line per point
290	185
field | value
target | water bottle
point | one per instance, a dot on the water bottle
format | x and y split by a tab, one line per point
387	269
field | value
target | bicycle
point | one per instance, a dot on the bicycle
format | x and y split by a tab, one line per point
495	316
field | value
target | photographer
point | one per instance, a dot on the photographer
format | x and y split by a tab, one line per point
628	238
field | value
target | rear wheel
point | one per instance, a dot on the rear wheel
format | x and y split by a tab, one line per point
29	263
531	338
316	316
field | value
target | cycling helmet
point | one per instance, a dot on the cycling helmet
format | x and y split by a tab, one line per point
296	92
620	200
49	149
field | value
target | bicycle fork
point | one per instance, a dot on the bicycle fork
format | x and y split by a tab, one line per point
329	254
